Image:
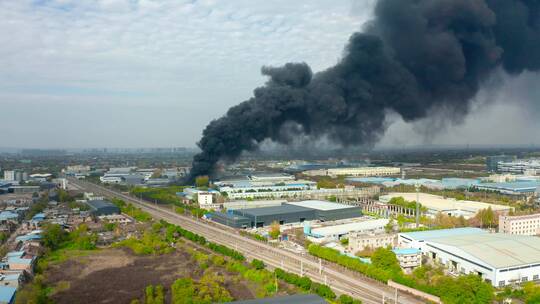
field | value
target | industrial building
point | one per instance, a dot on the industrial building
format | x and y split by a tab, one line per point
102	207
520	224
336	232
449	206
328	211
359	241
359	171
293	299
511	188
526	166
492	162
287	213
500	259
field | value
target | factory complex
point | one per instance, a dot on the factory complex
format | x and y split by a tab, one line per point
449	206
500	259
286	213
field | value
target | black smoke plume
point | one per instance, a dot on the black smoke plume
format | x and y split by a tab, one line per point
414	56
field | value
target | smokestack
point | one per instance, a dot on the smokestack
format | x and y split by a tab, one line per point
414	57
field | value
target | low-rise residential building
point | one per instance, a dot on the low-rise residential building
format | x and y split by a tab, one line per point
520	224
205	199
20	260
115	218
359	241
408	258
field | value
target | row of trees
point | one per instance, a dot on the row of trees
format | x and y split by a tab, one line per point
385	266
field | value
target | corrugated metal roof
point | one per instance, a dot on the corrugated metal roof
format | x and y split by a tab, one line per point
321	205
434	234
497	249
7	293
294	299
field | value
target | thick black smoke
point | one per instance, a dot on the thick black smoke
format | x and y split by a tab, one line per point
415	56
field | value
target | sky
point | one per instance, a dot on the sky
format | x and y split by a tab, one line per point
148	73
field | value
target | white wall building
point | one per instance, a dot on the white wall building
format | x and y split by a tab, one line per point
205	198
359	171
500	259
9	175
520	224
359	241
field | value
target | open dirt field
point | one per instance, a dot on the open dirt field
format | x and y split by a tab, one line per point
118	276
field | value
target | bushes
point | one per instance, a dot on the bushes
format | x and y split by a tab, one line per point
257	264
154	295
208	290
291	278
226	251
335	256
305	284
345	299
132	211
149	243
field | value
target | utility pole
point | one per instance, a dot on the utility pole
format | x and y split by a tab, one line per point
417	187
396	297
301	268
320	266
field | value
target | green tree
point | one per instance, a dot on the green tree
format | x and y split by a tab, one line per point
149	294
274	230
257	264
202	181
53	236
385	259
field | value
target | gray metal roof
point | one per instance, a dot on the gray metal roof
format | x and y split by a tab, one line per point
496	249
100	204
283	209
294	299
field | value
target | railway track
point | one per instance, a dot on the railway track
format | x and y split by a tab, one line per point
338	278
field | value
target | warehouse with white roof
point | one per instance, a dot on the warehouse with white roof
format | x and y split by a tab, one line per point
450	206
500	259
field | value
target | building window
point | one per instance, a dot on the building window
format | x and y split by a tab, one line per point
501	283
535	277
524	279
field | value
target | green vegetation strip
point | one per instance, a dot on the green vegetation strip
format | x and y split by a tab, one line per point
385	266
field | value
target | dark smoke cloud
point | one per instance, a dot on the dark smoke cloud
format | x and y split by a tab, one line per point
413	57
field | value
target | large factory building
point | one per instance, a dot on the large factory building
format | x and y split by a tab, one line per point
287	213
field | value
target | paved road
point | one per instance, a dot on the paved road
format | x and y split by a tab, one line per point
340	279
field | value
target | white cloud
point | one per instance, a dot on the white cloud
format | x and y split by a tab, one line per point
199	55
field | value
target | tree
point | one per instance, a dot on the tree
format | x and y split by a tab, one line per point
53	236
390	226
257	264
385	259
274	230
202	181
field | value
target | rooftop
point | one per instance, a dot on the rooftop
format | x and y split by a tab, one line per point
434	234
350	227
294	299
283	209
439	203
100	204
496	249
405	251
7	293
320	205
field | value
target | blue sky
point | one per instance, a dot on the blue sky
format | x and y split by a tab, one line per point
129	73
